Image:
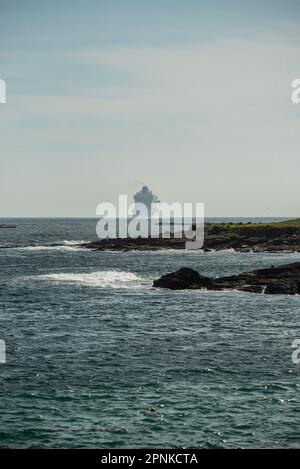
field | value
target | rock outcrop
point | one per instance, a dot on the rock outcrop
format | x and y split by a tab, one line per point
259	237
274	280
244	237
137	244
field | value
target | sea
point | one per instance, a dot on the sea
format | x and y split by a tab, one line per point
98	358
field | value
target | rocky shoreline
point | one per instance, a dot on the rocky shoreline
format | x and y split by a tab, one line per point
260	237
242	237
274	280
138	244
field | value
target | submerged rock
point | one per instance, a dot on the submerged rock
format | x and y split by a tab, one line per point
274	280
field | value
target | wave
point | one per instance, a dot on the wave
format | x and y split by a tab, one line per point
60	246
104	279
73	242
47	248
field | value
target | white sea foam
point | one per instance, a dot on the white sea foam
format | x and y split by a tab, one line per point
45	248
163	251
104	279
73	242
64	246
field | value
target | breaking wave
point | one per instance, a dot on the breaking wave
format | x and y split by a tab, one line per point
61	246
104	279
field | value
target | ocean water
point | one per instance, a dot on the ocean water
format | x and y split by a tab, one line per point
96	357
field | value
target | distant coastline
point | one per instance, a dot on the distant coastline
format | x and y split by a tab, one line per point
283	236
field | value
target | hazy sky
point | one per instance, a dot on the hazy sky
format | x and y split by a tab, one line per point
190	97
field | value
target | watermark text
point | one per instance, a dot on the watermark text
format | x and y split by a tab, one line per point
2	92
295	95
296	352
2	351
157	220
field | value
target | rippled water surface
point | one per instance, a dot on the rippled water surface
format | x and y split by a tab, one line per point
96	357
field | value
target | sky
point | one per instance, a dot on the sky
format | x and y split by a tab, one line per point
192	98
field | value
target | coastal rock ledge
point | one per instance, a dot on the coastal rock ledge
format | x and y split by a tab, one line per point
274	280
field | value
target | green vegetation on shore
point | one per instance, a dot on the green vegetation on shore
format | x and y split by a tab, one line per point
248	227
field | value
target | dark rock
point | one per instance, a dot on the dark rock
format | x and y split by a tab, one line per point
272	237
182	279
137	244
274	280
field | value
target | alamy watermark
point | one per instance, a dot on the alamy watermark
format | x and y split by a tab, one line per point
296	352
2	351
295	95
155	220
2	92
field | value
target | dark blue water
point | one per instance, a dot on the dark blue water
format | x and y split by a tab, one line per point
98	358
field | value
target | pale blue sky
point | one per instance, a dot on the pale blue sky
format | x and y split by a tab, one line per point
190	97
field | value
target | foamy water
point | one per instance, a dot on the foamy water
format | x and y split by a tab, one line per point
63	246
102	279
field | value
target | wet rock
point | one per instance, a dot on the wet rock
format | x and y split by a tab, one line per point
182	279
274	280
